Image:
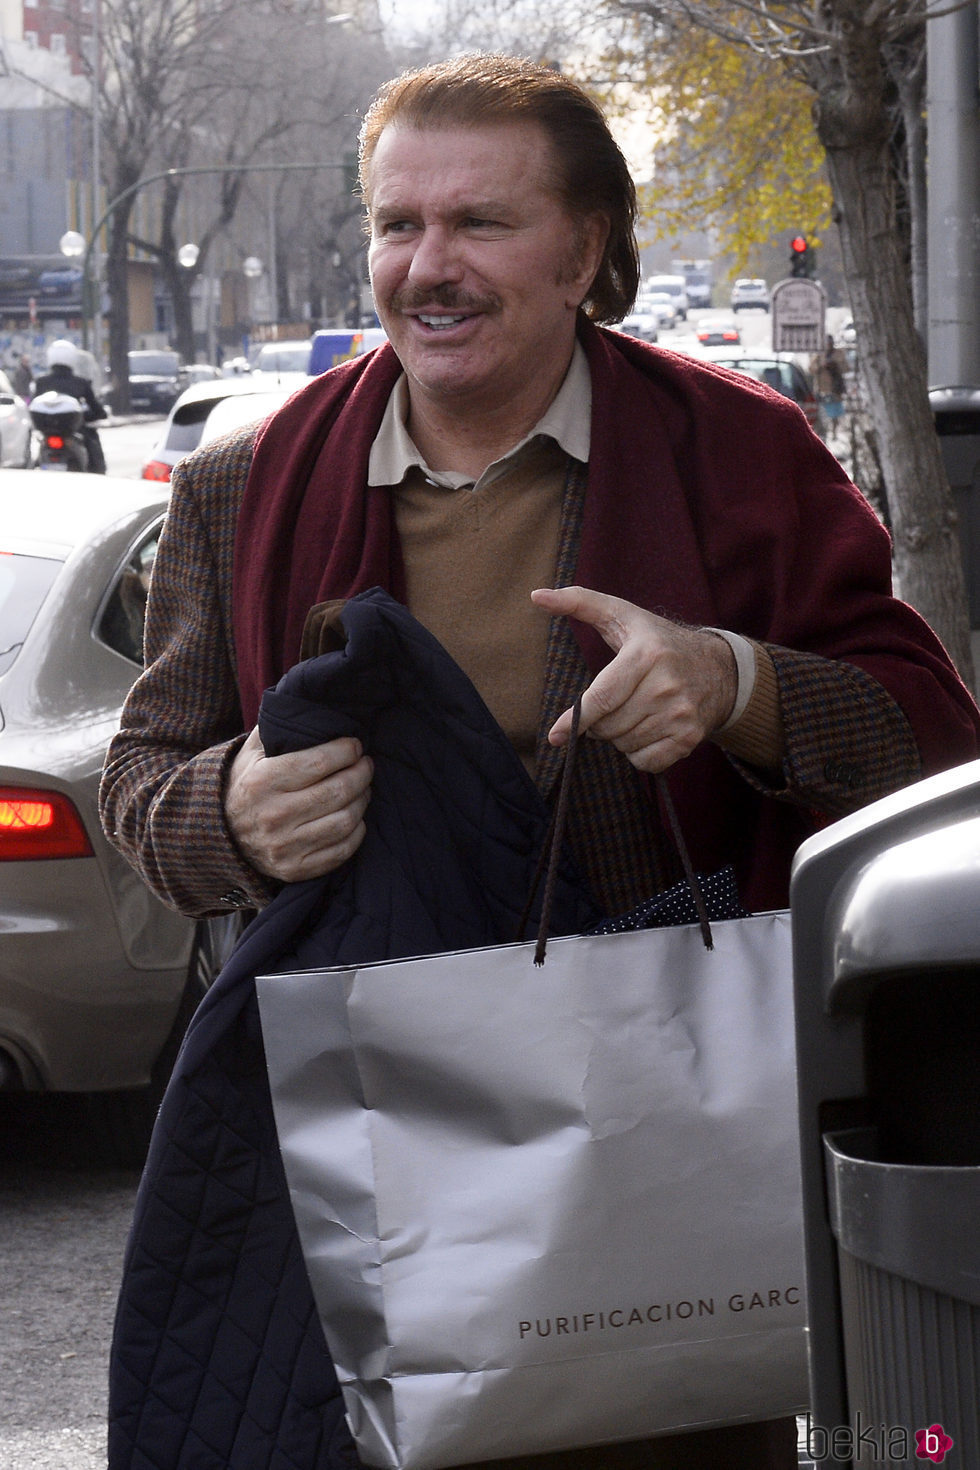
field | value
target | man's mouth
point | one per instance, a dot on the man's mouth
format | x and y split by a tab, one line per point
440	323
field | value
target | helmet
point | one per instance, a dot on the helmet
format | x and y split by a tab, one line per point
62	353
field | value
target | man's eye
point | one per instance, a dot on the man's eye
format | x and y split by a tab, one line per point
475	222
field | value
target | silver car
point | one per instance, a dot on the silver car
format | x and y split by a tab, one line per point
184	429
15	426
748	292
97	977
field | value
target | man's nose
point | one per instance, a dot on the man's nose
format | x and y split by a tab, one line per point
435	258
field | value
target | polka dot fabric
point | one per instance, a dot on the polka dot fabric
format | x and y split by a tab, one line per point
676	906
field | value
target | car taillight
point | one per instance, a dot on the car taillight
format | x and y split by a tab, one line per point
156	470
55	441
39	824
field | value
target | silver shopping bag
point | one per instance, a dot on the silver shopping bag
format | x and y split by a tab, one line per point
547	1207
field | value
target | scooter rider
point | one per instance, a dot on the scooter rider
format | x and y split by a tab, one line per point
62	377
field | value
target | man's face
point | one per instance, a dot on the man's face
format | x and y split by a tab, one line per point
477	268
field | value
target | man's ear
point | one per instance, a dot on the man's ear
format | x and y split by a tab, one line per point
591	235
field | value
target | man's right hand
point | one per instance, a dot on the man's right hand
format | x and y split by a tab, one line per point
299	815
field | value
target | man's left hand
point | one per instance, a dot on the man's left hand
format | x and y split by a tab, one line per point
666	690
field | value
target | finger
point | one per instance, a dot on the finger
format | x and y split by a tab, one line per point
321	843
300	769
307	833
317	862
611	617
606	711
330	797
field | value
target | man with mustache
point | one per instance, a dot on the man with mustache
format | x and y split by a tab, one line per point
565	510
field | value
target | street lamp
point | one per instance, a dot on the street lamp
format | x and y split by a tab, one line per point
252	269
187	258
72	244
72	247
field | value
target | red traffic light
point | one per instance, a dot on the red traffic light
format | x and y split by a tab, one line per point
798	244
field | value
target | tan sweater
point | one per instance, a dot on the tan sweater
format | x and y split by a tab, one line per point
472	558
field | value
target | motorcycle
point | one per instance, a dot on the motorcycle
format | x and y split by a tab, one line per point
58	420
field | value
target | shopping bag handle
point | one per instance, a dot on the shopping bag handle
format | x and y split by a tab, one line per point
554	838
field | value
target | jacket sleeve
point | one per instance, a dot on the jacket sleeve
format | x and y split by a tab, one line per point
845	740
95	410
161	797
869	697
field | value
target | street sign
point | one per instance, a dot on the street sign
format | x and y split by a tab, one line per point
799	309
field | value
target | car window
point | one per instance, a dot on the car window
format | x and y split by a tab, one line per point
121	623
154	364
24	584
778	375
186	423
282	359
237	410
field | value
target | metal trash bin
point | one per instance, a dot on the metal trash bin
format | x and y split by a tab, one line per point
886	938
956	412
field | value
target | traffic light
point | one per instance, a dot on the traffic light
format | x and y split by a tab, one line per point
799	256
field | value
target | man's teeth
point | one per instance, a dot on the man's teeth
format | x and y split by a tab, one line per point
440	321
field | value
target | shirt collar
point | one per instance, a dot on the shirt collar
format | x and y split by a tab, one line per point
567	420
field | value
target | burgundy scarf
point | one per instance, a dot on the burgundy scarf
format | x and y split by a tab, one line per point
708	500
310	530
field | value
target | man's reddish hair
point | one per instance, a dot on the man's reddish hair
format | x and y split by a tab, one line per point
591	174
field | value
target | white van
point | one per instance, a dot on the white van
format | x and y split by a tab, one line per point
676	289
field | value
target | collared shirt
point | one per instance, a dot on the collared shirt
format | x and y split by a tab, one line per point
567	420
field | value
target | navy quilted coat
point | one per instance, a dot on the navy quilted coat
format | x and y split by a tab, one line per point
218	1359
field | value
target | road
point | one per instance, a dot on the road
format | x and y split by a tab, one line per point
127	444
63	1228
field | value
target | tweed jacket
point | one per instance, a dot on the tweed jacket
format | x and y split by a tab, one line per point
847	740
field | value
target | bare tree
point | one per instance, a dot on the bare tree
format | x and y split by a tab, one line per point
227	85
153	74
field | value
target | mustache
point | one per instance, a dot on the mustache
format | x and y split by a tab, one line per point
447	298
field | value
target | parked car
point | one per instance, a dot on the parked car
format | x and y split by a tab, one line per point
750	292
676	289
717	331
15	426
98	978
660	305
282	357
156	378
239	409
186	420
200	372
786	376
642	324
697	284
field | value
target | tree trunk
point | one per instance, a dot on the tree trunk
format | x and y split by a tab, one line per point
117	285
928	569
179	282
909	78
